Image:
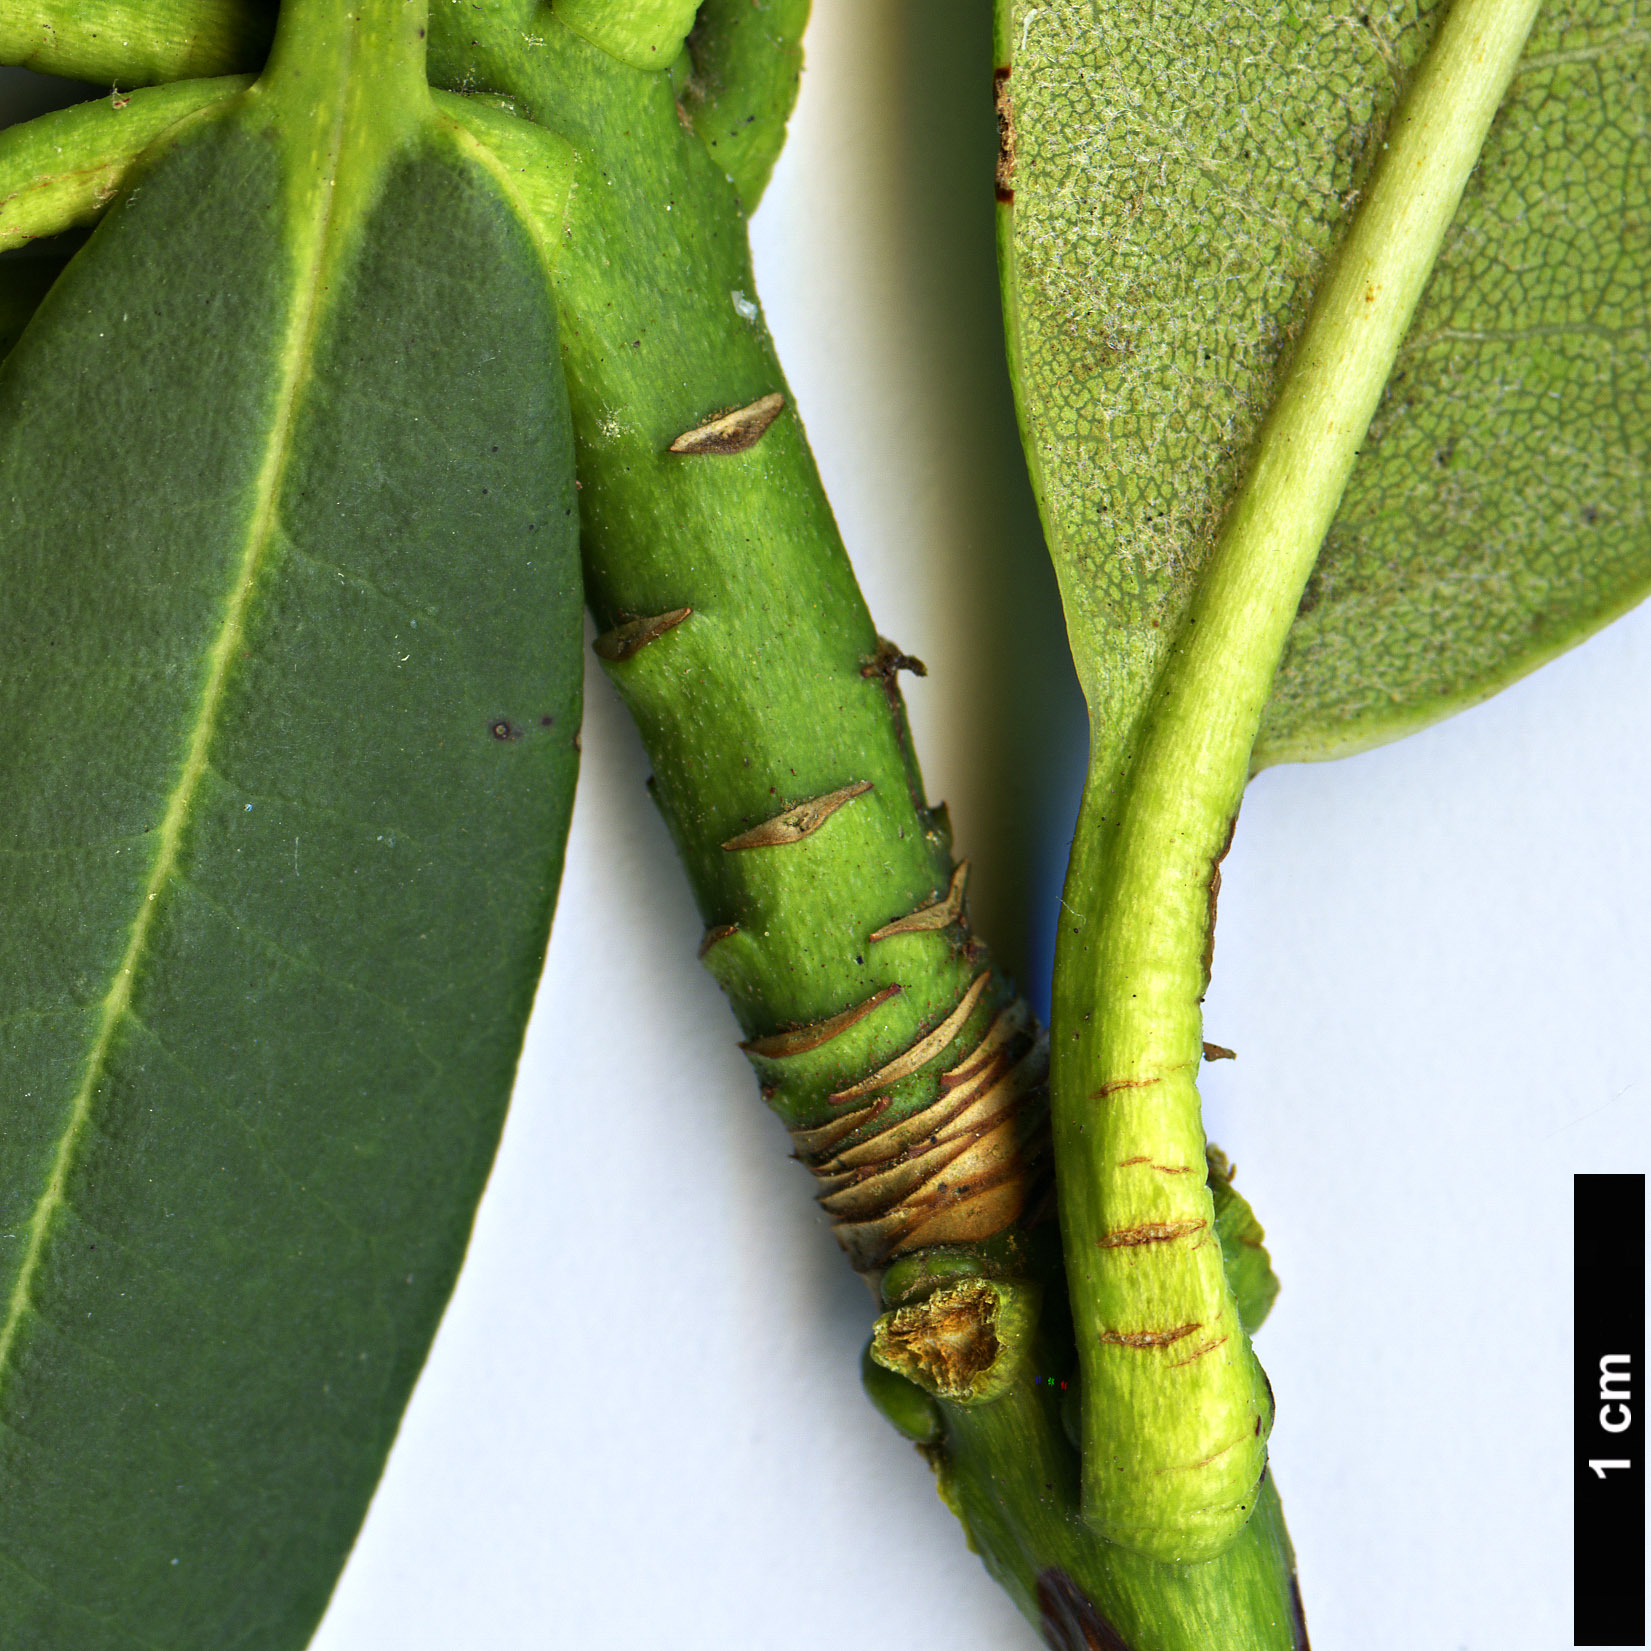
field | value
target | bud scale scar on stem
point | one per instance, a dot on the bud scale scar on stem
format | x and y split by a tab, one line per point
782	1045
631	636
938	916
921	1052
733	432
953	1170
1173	1447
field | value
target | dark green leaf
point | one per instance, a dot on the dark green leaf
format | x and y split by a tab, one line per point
24	282
290	698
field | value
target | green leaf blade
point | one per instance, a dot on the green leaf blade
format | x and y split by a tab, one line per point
224	1276
1180	178
1497	515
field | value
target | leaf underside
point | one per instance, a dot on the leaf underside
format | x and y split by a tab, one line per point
1249	1268
746	65
1181	175
282	835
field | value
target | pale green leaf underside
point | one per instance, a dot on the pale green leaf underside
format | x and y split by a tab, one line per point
1182	173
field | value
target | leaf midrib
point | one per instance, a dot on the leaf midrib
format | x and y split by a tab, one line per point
296	356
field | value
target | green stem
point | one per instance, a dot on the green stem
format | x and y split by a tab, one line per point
1175	1408
730	618
135	42
1012	1479
61	170
734	631
348	71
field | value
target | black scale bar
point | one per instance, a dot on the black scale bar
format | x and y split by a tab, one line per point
1610	1400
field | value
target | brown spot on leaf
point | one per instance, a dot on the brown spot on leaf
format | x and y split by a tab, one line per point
1005	136
798	821
630	637
1070	1621
732	432
504	730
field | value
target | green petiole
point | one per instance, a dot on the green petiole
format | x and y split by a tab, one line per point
61	171
136	42
1175	1407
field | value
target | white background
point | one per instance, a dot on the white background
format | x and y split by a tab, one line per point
641	1423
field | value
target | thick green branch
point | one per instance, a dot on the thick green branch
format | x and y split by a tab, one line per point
1175	1408
732	626
730	620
